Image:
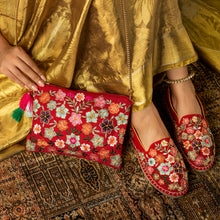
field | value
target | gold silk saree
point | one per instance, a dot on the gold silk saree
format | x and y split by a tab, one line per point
81	44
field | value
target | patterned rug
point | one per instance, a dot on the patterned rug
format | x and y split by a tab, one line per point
45	186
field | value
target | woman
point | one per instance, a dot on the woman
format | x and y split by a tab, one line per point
82	43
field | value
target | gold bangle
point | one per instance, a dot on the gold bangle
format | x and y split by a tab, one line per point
168	81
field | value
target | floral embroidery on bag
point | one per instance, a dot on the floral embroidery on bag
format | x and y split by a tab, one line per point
87	128
60	95
60	127
45	97
107	126
113	108
51	105
79	97
45	116
37	129
61	111
100	102
75	119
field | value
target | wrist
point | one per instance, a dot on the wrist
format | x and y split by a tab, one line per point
4	45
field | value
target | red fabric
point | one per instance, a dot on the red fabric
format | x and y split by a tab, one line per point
77	123
197	142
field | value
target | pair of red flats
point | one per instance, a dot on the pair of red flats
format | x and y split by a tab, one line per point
163	164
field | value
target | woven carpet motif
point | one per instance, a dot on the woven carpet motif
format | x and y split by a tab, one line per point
47	186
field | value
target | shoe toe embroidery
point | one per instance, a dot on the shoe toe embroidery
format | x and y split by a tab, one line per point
197	140
165	168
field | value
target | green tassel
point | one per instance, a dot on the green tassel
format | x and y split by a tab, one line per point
17	114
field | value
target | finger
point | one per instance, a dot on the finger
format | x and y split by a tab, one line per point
26	59
23	67
14	78
24	79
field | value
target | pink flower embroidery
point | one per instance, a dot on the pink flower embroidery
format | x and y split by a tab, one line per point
75	119
173	151
165	168
190	130
71	95
150	170
183	183
199	160
60	95
73	140
100	101
88	98
185	121
94	157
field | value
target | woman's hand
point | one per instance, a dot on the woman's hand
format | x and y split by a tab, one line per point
19	67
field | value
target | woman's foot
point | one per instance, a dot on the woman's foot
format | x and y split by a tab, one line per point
194	136
149	126
158	156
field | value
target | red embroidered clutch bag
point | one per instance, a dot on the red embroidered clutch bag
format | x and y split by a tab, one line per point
78	123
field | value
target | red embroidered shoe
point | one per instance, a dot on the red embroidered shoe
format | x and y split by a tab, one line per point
163	165
194	138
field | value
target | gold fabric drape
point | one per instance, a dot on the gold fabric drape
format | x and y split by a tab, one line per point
82	43
201	19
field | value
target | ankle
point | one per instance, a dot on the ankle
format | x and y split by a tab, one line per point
149	126
142	115
184	100
182	91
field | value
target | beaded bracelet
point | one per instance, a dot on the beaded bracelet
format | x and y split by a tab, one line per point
168	81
